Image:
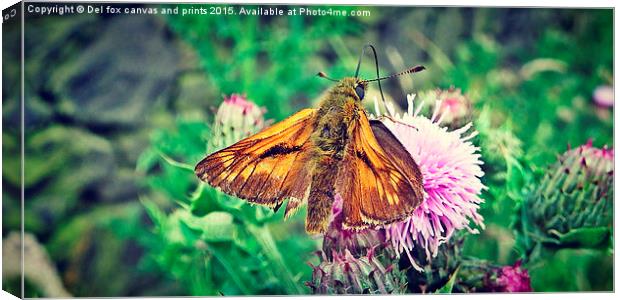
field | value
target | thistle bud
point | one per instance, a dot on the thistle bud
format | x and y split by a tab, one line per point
355	261
346	274
572	205
427	274
235	119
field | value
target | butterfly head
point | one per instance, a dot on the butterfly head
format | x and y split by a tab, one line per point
354	87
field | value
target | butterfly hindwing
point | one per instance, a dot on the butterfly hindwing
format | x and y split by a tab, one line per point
399	156
268	167
378	180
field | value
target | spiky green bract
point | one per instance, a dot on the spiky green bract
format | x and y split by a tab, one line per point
571	207
355	262
427	274
346	274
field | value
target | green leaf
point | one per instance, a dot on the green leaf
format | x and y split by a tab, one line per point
447	288
156	215
217	226
232	267
245	241
189	234
175	163
515	178
588	237
203	200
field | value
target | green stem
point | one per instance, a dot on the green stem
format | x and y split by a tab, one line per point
265	239
439	57
175	163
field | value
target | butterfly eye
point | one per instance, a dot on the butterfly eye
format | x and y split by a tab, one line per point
359	90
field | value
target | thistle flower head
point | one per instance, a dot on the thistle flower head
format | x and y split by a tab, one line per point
510	279
452	104
450	166
476	275
572	204
236	118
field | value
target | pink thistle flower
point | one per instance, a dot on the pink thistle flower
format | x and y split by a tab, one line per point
355	261
450	166
241	102
453	105
236	118
596	153
510	279
238	111
604	96
348	274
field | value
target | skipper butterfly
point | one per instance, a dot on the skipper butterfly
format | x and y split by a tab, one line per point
319	152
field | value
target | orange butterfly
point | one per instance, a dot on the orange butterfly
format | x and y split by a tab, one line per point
317	153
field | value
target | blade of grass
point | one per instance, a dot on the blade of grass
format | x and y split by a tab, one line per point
265	239
232	271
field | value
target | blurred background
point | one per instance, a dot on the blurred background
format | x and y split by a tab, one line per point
118	110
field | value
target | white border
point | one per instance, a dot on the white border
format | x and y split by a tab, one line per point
471	3
479	3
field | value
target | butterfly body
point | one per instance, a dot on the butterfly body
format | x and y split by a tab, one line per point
316	154
333	120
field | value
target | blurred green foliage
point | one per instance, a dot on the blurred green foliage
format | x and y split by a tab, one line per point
529	73
267	58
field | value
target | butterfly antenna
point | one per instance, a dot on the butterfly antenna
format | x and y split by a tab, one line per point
359	63
378	79
411	70
323	75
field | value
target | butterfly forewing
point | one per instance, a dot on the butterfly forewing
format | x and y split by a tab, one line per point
268	167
